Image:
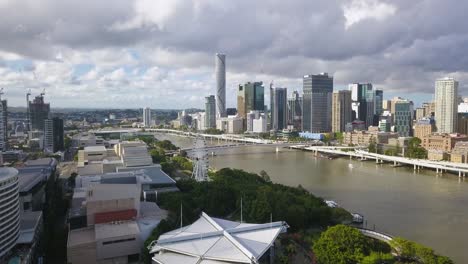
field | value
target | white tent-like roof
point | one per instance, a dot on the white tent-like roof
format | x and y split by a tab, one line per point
211	240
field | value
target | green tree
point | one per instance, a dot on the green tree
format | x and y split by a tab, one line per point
157	156
265	176
341	244
415	150
378	258
372	147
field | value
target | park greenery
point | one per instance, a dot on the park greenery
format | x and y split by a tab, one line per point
262	201
342	244
213	131
415	150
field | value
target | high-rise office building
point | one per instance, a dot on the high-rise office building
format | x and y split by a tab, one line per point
250	97
446	103
316	104
10	220
295	110
341	110
403	118
5	120
39	111
278	108
210	112
53	135
147	117
378	103
364	102
2	131
220	72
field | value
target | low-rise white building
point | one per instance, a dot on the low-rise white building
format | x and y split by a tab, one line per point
211	240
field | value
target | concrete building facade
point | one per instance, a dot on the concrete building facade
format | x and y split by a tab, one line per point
341	110
9	209
446	103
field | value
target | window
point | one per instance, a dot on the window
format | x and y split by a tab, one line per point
118	241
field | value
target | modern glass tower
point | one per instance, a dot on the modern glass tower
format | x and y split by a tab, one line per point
446	95
295	110
220	72
317	103
210	112
250	97
278	108
403	118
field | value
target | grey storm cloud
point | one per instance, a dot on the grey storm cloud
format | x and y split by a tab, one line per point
397	44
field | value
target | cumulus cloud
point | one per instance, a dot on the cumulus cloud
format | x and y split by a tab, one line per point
161	53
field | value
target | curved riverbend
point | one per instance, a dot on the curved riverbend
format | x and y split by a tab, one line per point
423	207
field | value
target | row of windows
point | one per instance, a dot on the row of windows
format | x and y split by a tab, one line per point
10	234
9	223
10	215
8	205
11	192
14	179
118	241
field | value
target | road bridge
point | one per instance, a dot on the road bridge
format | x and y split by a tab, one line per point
439	167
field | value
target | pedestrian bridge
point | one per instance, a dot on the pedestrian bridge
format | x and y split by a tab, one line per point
376	235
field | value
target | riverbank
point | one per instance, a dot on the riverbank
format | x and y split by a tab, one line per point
421	206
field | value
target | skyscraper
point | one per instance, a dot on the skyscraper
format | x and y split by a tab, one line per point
220	72
317	100
364	102
2	131
403	118
295	110
147	117
278	108
378	103
446	95
5	120
250	97
53	135
341	110
210	112
39	111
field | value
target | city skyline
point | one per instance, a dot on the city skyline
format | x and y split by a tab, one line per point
135	56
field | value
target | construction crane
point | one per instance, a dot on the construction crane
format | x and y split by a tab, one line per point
43	92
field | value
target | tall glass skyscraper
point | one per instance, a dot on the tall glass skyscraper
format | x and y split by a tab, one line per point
366	102
278	108
295	110
220	72
317	103
250	97
403	118
210	112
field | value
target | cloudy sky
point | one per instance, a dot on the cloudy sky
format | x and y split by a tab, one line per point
160	53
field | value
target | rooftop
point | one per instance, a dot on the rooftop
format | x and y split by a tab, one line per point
7	172
95	148
213	240
117	229
81	236
104	192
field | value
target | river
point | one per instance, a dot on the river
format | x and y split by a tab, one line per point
420	206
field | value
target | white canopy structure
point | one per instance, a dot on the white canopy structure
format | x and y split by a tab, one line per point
211	240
